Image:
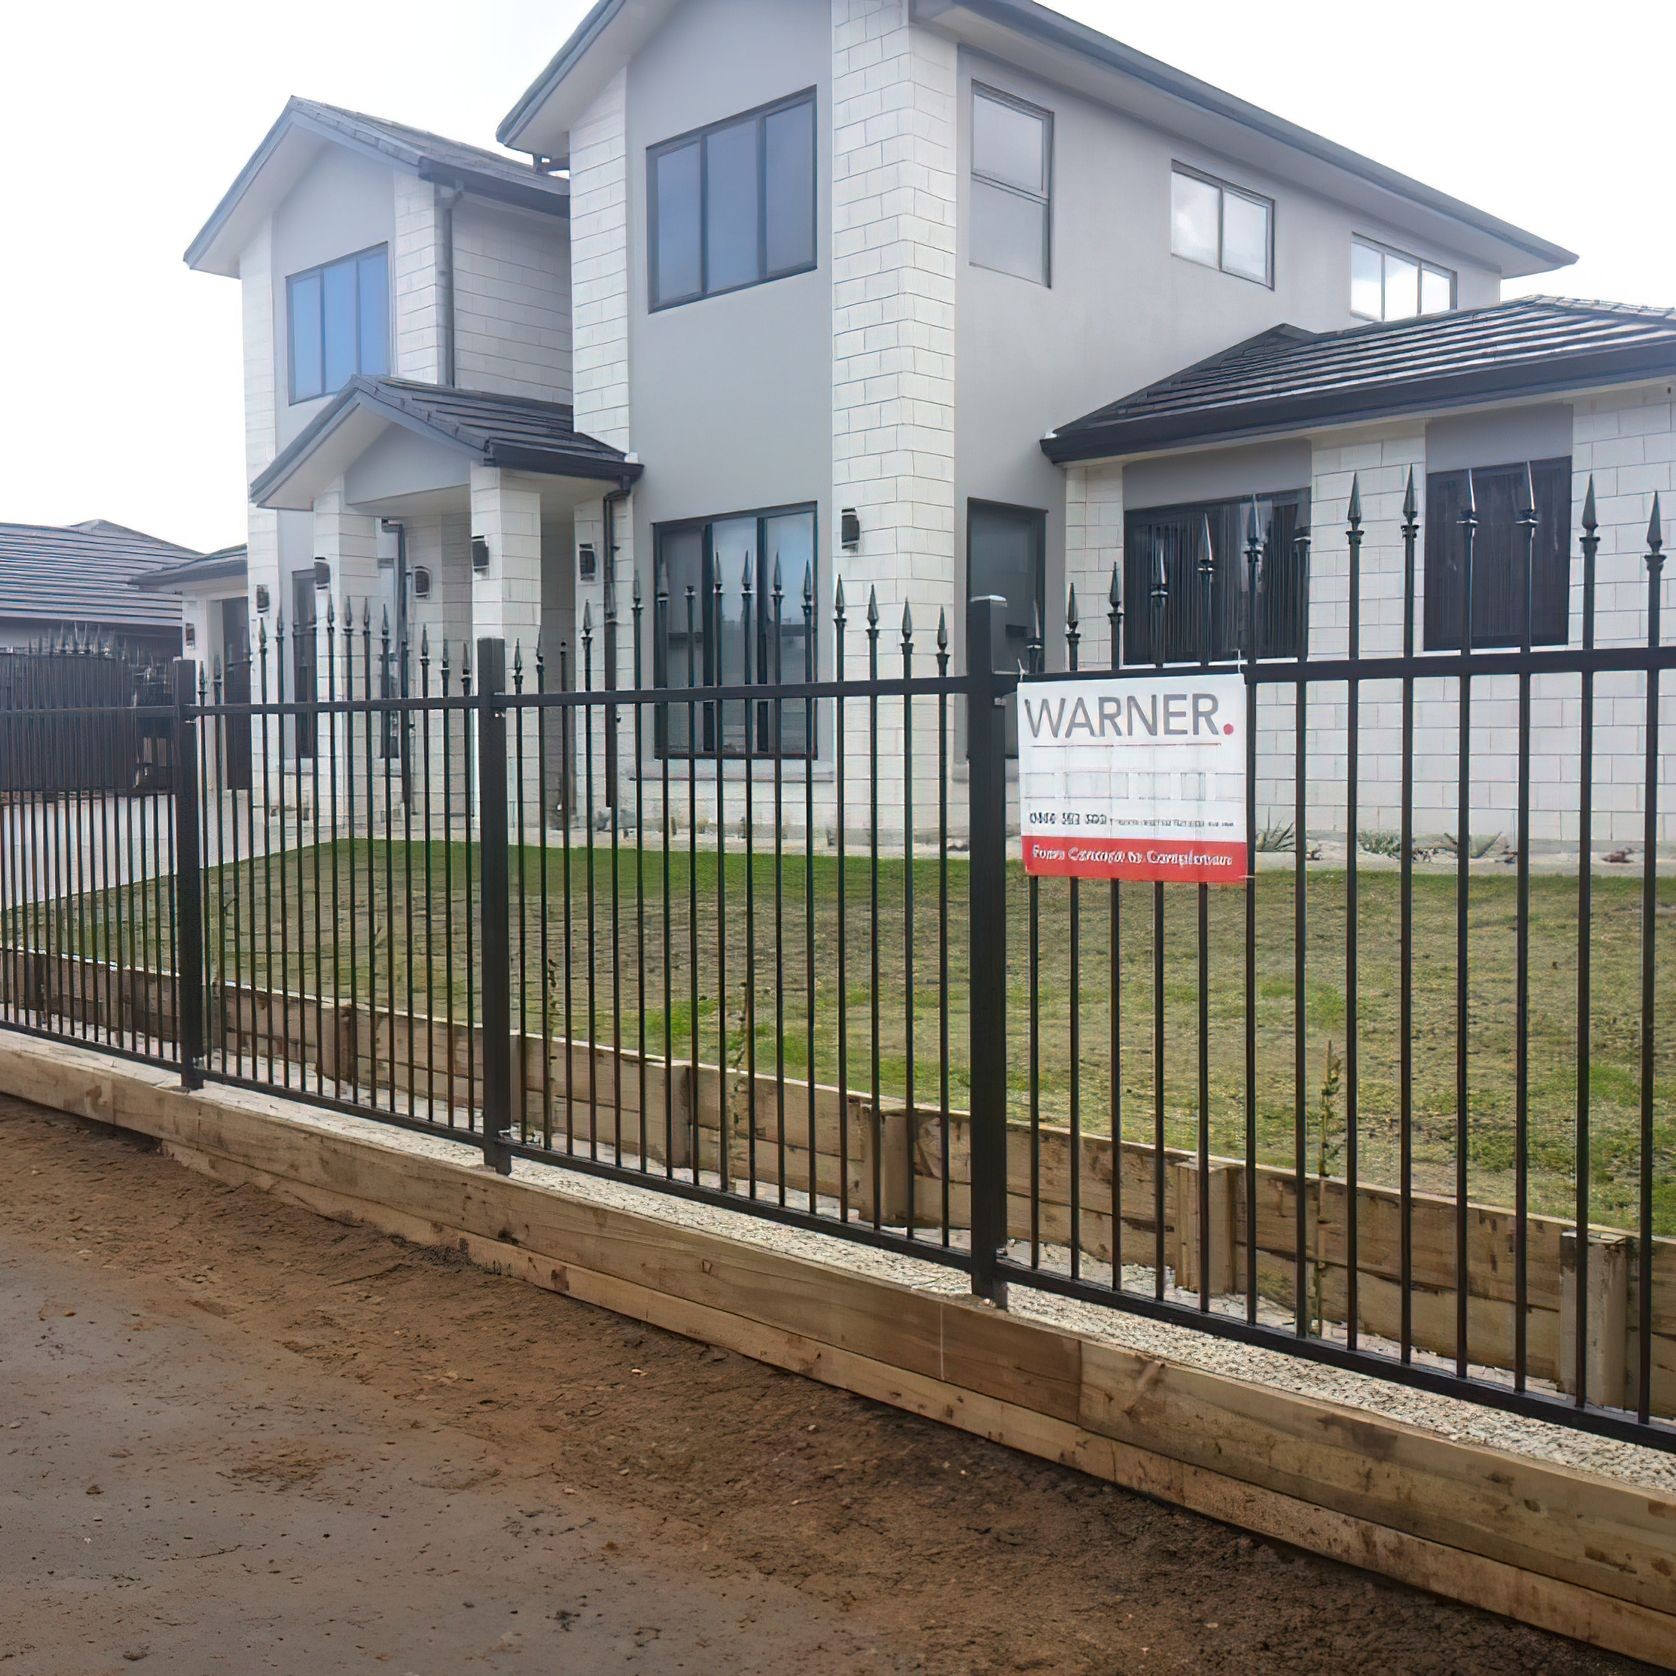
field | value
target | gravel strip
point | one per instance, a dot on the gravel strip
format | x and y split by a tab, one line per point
1448	1417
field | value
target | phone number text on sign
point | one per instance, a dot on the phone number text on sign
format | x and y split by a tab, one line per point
1134	777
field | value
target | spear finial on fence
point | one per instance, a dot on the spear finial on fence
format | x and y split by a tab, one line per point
808	586
518	666
942	633
1527	497
1160	575
1354	514
873	611
1655	536
1469	512
1590	522
1410	502
907	627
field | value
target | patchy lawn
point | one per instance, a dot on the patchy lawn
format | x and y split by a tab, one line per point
393	886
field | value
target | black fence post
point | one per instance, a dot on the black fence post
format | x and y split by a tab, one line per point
189	885
987	792
493	896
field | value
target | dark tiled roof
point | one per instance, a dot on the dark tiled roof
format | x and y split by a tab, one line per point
80	574
516	432
431	154
1289	379
223	564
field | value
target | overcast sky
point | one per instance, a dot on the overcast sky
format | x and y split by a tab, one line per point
124	123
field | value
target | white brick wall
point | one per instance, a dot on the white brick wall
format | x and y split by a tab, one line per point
1627	441
511	302
893	300
599	266
416	262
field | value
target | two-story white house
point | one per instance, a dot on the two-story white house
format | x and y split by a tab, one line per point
801	287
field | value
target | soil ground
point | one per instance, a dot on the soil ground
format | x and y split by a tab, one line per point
235	1437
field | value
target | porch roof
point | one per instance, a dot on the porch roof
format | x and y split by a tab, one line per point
1287	379
517	433
225	564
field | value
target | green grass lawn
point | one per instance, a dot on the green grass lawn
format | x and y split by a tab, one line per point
391	928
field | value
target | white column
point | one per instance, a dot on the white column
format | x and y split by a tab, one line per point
506	598
348	542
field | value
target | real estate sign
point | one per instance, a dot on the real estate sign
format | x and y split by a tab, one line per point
1134	776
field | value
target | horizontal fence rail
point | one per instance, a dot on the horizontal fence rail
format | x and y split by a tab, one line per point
720	900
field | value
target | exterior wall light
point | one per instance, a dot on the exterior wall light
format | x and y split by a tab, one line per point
322	576
480	555
587	562
262	599
849	530
421	582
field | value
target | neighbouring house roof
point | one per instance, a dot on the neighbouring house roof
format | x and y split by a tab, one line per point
1036	38
305	124
1288	379
514	432
80	574
225	564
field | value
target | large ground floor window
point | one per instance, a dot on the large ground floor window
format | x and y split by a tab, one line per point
1498	556
1174	535
709	631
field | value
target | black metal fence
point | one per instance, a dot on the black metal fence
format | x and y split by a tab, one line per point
74	673
1395	1106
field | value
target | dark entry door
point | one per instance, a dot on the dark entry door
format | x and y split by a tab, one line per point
1006	554
235	667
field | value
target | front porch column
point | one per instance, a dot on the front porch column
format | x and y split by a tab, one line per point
506	598
348	542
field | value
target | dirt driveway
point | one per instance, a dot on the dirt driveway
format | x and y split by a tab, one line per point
237	1438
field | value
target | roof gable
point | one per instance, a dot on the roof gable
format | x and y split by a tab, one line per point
295	140
1287	379
1074	55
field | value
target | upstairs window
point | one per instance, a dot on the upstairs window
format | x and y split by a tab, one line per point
1387	285
1498	556
1221	225
339	318
1012	181
733	204
1173	533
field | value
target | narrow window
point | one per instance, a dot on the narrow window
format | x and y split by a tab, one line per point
1012	179
1388	284
733	204
1221	226
703	637
339	323
1172	534
1498	556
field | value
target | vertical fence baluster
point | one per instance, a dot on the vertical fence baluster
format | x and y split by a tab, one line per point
1522	977
1463	854
1585	946
907	910
188	964
748	1013
1300	948
1160	602
495	897
840	753
1405	945
1649	939
942	920
874	1000
1352	912
1207	651
987	815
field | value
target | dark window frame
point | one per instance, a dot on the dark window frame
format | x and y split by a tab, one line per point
1177	167
759	115
1498	549
1278	611
703	718
983	90
1421	264
318	271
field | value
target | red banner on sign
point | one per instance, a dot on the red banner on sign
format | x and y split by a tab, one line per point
1170	859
